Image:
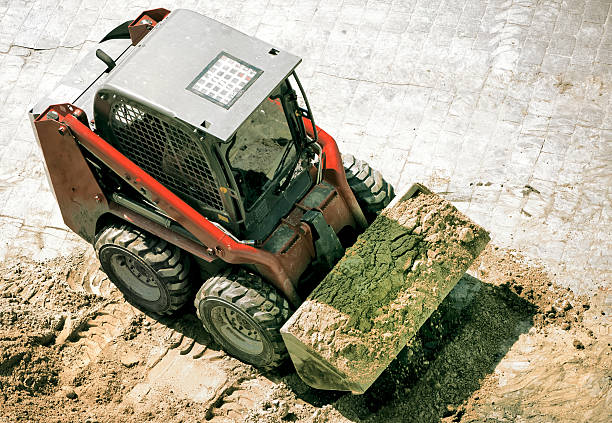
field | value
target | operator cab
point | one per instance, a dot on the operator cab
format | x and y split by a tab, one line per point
211	114
269	160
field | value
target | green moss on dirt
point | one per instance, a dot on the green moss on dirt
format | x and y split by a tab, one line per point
387	285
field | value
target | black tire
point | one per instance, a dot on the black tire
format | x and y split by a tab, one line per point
244	315
373	193
152	274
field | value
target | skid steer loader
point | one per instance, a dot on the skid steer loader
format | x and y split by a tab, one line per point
181	151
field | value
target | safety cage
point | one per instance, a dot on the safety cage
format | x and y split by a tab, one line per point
167	149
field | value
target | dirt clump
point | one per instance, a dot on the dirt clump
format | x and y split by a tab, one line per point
479	354
530	281
440	368
34	303
492	351
385	287
26	368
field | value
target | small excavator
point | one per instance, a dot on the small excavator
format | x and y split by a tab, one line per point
187	154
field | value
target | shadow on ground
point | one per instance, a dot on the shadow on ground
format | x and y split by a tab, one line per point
444	364
459	345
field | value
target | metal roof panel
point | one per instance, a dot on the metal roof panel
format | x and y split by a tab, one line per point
172	69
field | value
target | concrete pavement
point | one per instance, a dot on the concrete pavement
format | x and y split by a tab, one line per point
503	106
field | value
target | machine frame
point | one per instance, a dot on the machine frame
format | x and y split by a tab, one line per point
75	155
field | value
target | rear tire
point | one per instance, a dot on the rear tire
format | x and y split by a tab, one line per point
373	193
150	273
244	315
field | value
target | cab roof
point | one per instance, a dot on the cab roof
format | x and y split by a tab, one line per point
202	72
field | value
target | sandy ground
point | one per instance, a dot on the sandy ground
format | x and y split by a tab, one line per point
418	88
506	345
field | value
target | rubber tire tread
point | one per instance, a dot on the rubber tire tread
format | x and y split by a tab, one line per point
167	261
259	300
372	191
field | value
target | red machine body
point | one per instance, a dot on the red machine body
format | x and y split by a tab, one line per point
62	131
181	151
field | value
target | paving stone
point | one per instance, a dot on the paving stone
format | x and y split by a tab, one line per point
533	52
554	64
596	11
604	55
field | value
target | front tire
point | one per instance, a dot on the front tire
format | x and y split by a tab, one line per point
244	315
150	273
372	191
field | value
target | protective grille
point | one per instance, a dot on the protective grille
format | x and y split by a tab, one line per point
165	152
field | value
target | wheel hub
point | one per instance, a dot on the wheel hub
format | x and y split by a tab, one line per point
136	276
237	329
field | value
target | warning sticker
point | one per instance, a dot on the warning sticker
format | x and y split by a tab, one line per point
224	80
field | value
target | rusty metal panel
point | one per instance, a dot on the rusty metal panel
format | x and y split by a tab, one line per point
76	189
141	26
292	241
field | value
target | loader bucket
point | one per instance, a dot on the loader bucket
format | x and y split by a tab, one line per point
382	290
